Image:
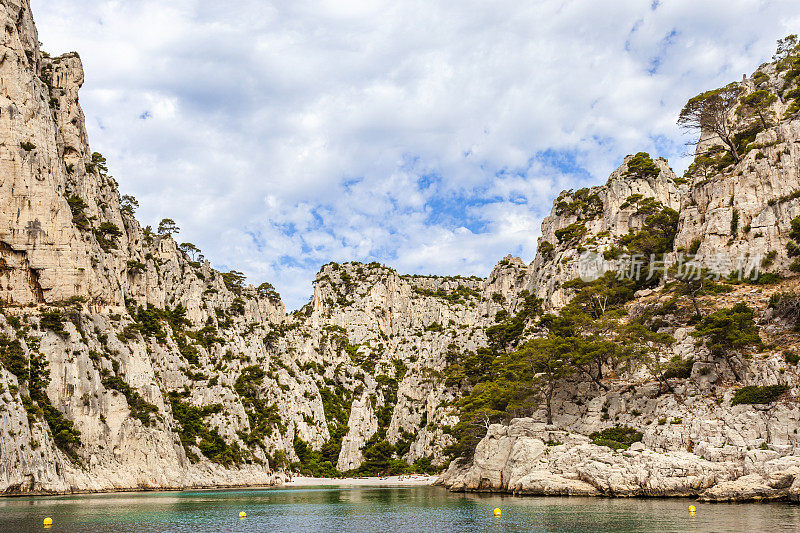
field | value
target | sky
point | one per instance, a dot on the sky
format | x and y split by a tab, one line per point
431	136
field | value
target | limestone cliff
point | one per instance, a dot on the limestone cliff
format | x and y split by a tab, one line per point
736	211
128	363
594	220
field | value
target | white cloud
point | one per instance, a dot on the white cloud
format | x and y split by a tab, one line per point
428	135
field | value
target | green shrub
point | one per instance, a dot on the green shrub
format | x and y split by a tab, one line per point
237	306
769	259
140	409
54	321
619	437
13	357
136	266
678	368
65	436
106	235
768	278
583	203
194	431
792	248
509	329
642	166
729	331
378	454
336	404
78	208
753	394
263	416
656	237
570	233
312	462
546	250
461	294
234	280
267	290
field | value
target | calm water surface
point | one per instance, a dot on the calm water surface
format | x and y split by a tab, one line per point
379	509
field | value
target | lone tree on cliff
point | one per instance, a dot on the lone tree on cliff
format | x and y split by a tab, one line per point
709	112
128	204
189	249
167	226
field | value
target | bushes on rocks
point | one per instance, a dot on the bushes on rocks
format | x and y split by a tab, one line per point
336	403
619	437
140	408
753	394
311	462
106	235
582	342
13	357
642	166
460	295
262	415
509	329
195	432
657	236
78	208
34	372
583	204
571	233
793	246
786	306
54	321
678	368
545	250
728	332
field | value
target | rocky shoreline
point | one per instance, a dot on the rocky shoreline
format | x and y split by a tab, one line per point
272	480
531	458
198	477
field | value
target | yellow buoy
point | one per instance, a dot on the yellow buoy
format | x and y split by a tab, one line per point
692	509
48	522
497	511
242	515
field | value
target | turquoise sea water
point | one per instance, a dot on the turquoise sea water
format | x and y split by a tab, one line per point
392	510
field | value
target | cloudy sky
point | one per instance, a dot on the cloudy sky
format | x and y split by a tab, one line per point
431	136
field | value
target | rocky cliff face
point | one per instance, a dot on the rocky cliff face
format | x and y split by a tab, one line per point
593	220
696	439
126	363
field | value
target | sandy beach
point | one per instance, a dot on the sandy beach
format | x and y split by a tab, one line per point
389	481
